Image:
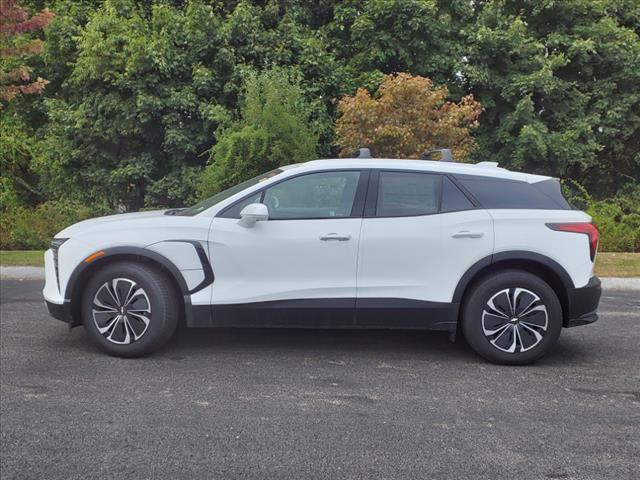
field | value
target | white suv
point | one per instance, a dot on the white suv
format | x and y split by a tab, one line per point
355	243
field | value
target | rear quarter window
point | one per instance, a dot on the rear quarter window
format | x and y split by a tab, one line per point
497	193
453	200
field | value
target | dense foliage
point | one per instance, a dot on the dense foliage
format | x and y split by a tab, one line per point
274	129
152	103
33	228
560	84
617	218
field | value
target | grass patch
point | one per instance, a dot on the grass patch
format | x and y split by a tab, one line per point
607	264
22	258
618	265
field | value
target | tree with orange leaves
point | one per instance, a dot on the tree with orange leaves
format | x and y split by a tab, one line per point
15	46
407	116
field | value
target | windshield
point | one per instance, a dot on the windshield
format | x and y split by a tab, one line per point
223	195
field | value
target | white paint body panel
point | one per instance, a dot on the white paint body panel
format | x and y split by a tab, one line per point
129	230
283	259
417	258
526	230
184	256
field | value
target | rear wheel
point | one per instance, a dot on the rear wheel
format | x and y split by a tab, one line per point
512	317
129	309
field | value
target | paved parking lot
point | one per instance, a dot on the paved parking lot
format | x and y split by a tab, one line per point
260	404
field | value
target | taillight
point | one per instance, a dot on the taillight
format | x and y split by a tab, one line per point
588	229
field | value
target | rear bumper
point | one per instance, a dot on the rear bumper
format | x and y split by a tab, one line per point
582	304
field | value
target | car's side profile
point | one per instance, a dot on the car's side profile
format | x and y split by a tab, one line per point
350	243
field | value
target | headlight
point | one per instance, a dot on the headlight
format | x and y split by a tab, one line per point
55	245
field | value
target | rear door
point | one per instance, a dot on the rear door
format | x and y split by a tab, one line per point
419	236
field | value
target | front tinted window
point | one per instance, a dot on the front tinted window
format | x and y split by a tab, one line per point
500	193
236	208
407	193
317	195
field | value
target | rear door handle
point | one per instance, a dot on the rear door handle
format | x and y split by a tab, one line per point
337	237
467	234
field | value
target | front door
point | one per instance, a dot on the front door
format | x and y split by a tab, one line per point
298	267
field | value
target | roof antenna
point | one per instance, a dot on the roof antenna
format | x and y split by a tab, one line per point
362	153
445	154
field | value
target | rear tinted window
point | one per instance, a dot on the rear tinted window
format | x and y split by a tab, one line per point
500	193
406	193
552	189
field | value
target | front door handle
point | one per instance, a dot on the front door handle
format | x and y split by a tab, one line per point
328	237
467	234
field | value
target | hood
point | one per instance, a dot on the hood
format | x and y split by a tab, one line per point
90	224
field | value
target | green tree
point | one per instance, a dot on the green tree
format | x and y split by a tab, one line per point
274	129
421	37
139	89
140	107
560	84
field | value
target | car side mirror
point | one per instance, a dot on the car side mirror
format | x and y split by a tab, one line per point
252	213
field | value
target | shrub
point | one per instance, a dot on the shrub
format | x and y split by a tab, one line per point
617	218
619	224
33	228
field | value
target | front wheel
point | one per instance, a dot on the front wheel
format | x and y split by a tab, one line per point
512	317
129	309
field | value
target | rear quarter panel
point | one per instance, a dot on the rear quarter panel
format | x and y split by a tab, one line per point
527	230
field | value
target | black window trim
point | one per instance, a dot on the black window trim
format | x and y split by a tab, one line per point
474	201
371	204
358	201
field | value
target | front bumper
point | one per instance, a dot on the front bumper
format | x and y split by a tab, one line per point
59	311
57	306
582	304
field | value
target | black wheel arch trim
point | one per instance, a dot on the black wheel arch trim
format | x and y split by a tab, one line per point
481	264
154	256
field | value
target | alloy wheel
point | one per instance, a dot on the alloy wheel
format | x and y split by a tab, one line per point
514	320
121	311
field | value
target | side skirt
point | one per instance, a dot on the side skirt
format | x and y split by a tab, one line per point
367	313
406	313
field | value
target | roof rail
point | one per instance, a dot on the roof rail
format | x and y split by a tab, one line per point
362	153
445	154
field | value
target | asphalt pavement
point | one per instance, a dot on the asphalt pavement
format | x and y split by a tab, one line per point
298	404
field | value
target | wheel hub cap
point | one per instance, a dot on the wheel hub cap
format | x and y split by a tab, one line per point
121	311
514	320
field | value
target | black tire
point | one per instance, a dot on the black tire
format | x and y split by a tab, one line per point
511	339
145	323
